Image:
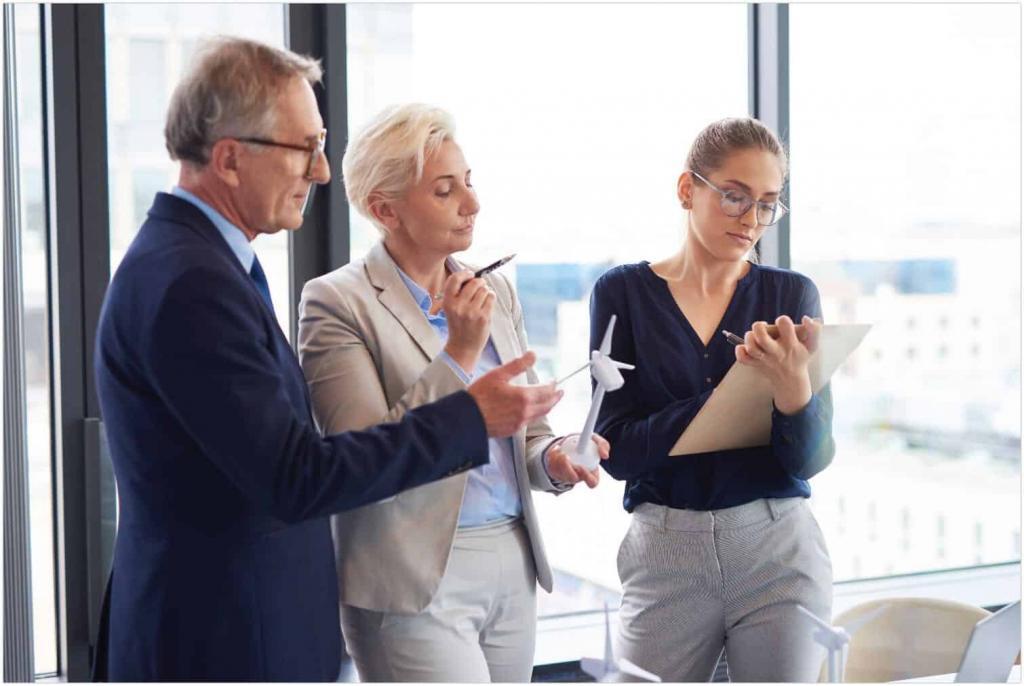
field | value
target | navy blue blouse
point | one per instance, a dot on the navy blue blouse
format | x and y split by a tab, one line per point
676	373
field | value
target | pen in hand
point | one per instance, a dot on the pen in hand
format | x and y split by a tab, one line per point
773	331
483	271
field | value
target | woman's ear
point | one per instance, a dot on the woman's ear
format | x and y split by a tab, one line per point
684	190
383	210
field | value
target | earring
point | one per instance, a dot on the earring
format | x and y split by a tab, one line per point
686	204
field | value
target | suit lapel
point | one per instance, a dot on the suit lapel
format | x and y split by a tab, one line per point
396	298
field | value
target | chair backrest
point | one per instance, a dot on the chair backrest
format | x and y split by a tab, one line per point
912	637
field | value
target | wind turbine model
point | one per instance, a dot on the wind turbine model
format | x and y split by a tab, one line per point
610	669
836	639
580	449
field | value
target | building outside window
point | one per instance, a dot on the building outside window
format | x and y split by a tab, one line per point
906	213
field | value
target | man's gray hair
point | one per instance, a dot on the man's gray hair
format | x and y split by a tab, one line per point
230	89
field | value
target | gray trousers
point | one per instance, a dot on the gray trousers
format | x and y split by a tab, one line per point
480	626
696	583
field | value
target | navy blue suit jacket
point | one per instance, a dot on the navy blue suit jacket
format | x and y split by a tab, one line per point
223	566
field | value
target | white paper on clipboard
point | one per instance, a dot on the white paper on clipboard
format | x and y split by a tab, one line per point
739	412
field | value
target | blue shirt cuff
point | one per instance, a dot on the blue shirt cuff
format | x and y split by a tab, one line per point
560	485
459	371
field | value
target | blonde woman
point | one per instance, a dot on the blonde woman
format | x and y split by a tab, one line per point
438	583
722	546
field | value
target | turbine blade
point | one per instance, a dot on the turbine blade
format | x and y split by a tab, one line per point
814	618
621	365
627	667
854	626
608	657
606	343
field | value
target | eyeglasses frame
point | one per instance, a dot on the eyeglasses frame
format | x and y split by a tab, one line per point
777	216
314	149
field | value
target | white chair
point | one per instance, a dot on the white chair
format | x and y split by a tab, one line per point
912	637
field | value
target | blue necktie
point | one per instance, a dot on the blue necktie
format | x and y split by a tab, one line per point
260	279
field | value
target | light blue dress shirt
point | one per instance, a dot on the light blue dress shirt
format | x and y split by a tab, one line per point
237	240
491	491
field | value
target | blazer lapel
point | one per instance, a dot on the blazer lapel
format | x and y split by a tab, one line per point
395	296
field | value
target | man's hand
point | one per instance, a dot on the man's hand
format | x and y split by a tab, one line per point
507	408
561	467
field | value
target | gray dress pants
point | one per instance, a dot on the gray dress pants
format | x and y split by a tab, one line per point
479	627
696	583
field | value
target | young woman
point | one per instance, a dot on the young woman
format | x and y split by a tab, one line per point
438	583
722	546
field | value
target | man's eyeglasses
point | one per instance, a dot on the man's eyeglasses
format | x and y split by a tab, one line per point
314	146
737	204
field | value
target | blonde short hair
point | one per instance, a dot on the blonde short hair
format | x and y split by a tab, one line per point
230	89
387	156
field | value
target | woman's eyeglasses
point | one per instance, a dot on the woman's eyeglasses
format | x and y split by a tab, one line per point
737	204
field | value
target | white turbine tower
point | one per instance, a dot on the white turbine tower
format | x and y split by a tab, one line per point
605	370
610	669
836	639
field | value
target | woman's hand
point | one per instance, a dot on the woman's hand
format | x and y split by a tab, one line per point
467	305
562	468
783	360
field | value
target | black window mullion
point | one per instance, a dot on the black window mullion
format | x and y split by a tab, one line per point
322	244
79	247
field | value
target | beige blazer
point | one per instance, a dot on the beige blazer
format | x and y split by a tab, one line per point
369	354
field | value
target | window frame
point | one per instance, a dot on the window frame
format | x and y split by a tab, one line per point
76	200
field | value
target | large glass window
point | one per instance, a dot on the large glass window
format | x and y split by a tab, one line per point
148	48
36	333
576	138
906	200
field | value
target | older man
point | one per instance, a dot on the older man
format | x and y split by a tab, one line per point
223	568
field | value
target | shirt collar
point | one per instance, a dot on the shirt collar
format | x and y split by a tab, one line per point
420	294
236	240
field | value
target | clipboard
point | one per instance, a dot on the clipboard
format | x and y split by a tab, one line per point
739	412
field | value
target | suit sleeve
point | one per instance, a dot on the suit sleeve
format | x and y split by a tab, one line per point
640	436
210	364
335	359
802	442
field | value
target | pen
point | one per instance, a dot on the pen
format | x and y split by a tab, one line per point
484	271
773	331
732	338
494	265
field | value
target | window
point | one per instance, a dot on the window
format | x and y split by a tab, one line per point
148	49
576	139
36	334
906	213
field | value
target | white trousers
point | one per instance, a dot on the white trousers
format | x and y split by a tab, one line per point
479	627
696	583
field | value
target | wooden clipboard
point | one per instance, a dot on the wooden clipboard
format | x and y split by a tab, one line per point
739	412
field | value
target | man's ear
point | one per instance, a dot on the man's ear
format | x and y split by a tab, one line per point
383	210
225	157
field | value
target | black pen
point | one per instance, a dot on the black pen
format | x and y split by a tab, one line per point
773	331
484	271
732	338
491	267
